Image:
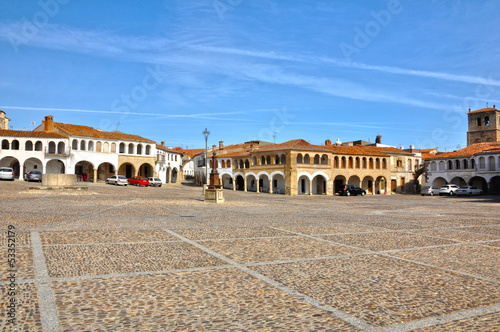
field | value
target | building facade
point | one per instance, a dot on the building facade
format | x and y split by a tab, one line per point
484	126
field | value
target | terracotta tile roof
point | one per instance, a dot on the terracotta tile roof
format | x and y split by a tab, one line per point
469	151
244	153
486	109
297	144
35	134
164	148
190	152
77	130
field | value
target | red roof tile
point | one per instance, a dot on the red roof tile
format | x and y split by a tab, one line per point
35	134
164	148
468	151
486	109
77	130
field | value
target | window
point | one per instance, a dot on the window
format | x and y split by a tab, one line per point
122	147
370	163
306	159
316	159
139	149
254	161
450	164
336	162
433	166
358	163
343	162
113	147
98	147
457	164
148	150
5	144
52	147
38	146
74	146
228	164
384	163
131	148
82	145
91	146
28	146
479	122
268	160
241	163
466	164
283	159
364	163
324	159
399	163
276	160
247	164
487	121
262	160
377	163
15	145
299	158
350	164
223	164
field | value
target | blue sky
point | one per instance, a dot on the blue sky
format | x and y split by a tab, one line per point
165	70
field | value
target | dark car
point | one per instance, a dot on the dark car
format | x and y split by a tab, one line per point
350	190
33	176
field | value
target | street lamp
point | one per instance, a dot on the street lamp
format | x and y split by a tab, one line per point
206	133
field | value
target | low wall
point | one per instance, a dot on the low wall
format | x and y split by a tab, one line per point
59	180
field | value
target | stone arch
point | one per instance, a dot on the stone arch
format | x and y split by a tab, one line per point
52	147
13	163
384	163
14	145
98	146
223	164
377	163
324	159
91	146
441	165
381	185
84	170
28	146
113	147
433	166
479	182
127	169
358	162
350	163
354	180
175	173
491	163
32	164
146	170
365	163
240	182
299	158
228	164
61	147
5	144
283	159
338	182
336	162
367	184
227	181
319	184
105	147
495	185
55	166
303	184
370	163
105	170
251	180
263	178
458	181
439	182
307	160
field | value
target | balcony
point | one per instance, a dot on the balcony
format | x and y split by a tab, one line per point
50	152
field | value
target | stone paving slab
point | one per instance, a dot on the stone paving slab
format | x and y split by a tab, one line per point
384	291
394	225
23	263
128	222
386	240
489	230
29	221
82	237
489	323
230	233
331	228
27	309
493	244
21	238
87	260
461	235
191	301
249	251
478	260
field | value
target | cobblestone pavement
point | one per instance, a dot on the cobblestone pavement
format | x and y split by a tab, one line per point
161	259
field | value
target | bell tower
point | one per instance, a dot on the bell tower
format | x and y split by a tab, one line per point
484	125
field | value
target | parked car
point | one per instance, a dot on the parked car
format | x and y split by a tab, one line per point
468	190
117	180
139	181
428	190
6	173
448	189
351	190
154	182
33	176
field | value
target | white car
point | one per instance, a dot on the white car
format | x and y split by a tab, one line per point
468	190
428	190
154	182
6	173
117	180
448	189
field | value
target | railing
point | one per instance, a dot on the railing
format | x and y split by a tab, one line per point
57	153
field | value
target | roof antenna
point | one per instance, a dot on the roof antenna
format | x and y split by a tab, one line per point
117	125
274	135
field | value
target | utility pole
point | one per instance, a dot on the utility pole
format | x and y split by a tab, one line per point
206	133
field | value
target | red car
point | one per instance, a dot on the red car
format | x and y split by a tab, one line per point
139	181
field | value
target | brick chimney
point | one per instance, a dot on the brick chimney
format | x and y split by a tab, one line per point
162	143
49	123
328	142
221	145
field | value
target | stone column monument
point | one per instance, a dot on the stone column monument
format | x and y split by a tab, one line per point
214	192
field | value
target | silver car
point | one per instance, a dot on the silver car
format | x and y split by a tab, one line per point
154	182
448	189
117	180
6	173
33	176
429	190
468	190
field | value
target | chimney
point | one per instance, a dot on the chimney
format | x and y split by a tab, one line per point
328	142
163	143
378	139
221	145
494	107
412	147
49	123
213	147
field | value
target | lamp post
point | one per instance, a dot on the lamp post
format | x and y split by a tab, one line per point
206	133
